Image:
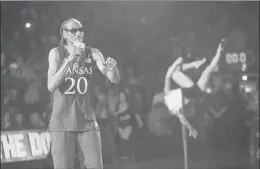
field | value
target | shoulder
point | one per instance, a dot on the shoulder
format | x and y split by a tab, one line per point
96	54
55	50
54	53
95	51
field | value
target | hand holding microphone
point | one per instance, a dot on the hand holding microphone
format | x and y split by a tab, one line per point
77	49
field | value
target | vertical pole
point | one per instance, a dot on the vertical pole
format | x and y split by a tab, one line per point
185	146
184	140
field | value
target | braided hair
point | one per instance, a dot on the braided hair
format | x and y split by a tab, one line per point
63	41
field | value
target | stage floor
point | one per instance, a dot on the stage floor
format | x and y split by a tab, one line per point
217	160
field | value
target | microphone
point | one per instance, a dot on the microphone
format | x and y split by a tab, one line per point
80	48
79	44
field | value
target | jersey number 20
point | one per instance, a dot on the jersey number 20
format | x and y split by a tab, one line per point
73	82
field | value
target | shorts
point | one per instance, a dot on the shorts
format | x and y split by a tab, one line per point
192	92
88	146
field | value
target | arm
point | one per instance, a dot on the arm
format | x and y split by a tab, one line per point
121	109
217	114
139	120
56	77
112	74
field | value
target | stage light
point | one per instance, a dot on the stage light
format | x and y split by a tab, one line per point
248	89
244	77
27	24
208	90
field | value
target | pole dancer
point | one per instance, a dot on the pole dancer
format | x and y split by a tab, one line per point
187	91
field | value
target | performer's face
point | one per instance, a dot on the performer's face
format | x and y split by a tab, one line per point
73	31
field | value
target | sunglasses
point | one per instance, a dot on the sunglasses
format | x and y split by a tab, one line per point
74	30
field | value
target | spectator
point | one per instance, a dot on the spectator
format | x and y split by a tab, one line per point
135	106
19	122
3	73
45	117
32	94
101	106
36	121
14	69
3	59
134	100
112	100
124	138
7	121
10	96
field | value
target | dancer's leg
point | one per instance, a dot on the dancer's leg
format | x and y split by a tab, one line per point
170	71
196	64
181	79
206	74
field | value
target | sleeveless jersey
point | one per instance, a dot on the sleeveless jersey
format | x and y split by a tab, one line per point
72	110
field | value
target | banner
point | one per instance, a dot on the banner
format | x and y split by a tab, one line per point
18	146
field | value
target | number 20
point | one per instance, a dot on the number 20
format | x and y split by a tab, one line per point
70	91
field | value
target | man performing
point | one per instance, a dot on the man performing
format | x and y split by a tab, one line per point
190	90
73	123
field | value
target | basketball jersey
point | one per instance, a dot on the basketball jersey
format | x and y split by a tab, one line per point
72	110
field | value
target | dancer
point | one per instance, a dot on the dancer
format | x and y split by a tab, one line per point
190	90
